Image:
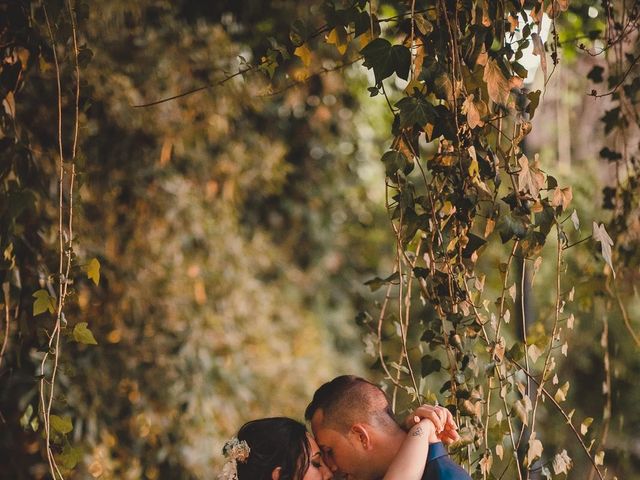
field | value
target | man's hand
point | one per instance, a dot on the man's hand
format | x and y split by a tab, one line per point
445	426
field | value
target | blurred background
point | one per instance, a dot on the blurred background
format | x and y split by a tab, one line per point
235	229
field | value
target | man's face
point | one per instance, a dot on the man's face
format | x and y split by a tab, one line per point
342	453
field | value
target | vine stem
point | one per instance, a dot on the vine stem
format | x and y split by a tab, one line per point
554	332
563	413
623	311
5	341
65	244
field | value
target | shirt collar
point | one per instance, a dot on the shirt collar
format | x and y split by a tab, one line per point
436	450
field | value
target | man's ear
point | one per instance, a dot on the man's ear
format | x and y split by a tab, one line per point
275	475
360	433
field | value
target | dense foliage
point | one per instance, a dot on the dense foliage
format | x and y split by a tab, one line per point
170	271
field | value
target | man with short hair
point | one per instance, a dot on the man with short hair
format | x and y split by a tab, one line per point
354	426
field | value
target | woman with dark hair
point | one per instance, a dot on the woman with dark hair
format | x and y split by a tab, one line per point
280	448
276	448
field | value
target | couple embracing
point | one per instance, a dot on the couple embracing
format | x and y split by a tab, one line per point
354	436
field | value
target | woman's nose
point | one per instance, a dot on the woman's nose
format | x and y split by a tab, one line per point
326	473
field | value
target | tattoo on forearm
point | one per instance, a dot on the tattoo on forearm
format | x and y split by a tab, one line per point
417	432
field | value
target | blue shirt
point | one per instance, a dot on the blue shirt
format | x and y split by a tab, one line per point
441	467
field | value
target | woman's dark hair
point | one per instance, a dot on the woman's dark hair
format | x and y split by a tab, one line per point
274	442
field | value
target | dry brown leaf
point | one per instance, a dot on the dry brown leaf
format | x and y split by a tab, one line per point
561	196
497	84
530	178
538	49
474	116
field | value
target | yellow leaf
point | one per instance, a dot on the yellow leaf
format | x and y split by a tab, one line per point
338	37
584	426
93	270
474	169
599	458
561	394
304	54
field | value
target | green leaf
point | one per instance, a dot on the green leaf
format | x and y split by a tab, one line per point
70	456
377	55
534	101
385	59
26	416
393	161
510	226
610	155
430	365
93	270
43	302
82	334
561	393
595	75
362	23
416	111
401	58
61	425
377	282
584	426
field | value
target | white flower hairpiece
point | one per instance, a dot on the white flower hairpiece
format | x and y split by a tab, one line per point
235	451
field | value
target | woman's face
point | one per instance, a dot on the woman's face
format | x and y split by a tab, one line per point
317	469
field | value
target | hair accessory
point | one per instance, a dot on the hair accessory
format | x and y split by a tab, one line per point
235	451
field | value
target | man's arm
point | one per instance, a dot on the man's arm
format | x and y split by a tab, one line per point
446	428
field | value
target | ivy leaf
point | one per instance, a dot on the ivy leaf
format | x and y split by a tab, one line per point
385	59
561	197
377	282
530	178
561	393
304	54
534	101
538	49
338	37
599	458
93	270
82	334
575	220
562	463
497	85
601	235
475	110
362	24
423	24
430	365
299	33
61	425
510	226
610	155
595	74
393	161
534	352
43	302
611	119
70	456
535	449
377	55
415	111
584	426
